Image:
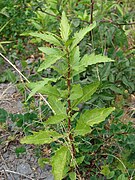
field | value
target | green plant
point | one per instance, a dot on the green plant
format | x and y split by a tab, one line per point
65	94
3	42
19	150
3	116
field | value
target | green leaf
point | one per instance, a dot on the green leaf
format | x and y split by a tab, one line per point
75	57
50	90
80	35
105	170
116	89
59	162
3	115
49	60
111	175
106	96
89	60
41	137
81	128
50	51
48	37
122	177
61	67
39	85
80	159
10	76
56	119
120	9
64	27
19	150
63	93
88	91
76	92
95	116
72	176
93	59
57	105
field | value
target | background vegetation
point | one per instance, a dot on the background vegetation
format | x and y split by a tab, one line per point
109	150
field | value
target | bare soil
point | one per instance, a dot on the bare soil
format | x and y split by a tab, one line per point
13	167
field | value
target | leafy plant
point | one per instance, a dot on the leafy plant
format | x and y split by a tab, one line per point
65	93
20	150
3	42
3	116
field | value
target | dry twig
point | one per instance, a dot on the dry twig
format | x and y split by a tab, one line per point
7	60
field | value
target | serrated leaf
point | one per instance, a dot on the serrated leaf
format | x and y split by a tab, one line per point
49	61
88	91
62	67
75	57
57	105
76	92
46	90
89	60
80	35
64	27
41	137
95	116
56	119
50	51
93	59
39	85
59	162
48	37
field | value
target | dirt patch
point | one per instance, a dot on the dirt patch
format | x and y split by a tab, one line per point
13	167
10	99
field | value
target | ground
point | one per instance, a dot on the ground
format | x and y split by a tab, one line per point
13	167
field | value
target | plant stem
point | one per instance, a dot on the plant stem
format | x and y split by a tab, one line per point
91	16
69	88
69	102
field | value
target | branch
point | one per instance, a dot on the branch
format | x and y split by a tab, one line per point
58	17
9	171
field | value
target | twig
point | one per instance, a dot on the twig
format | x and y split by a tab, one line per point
9	171
7	60
108	21
124	166
6	166
10	85
58	17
